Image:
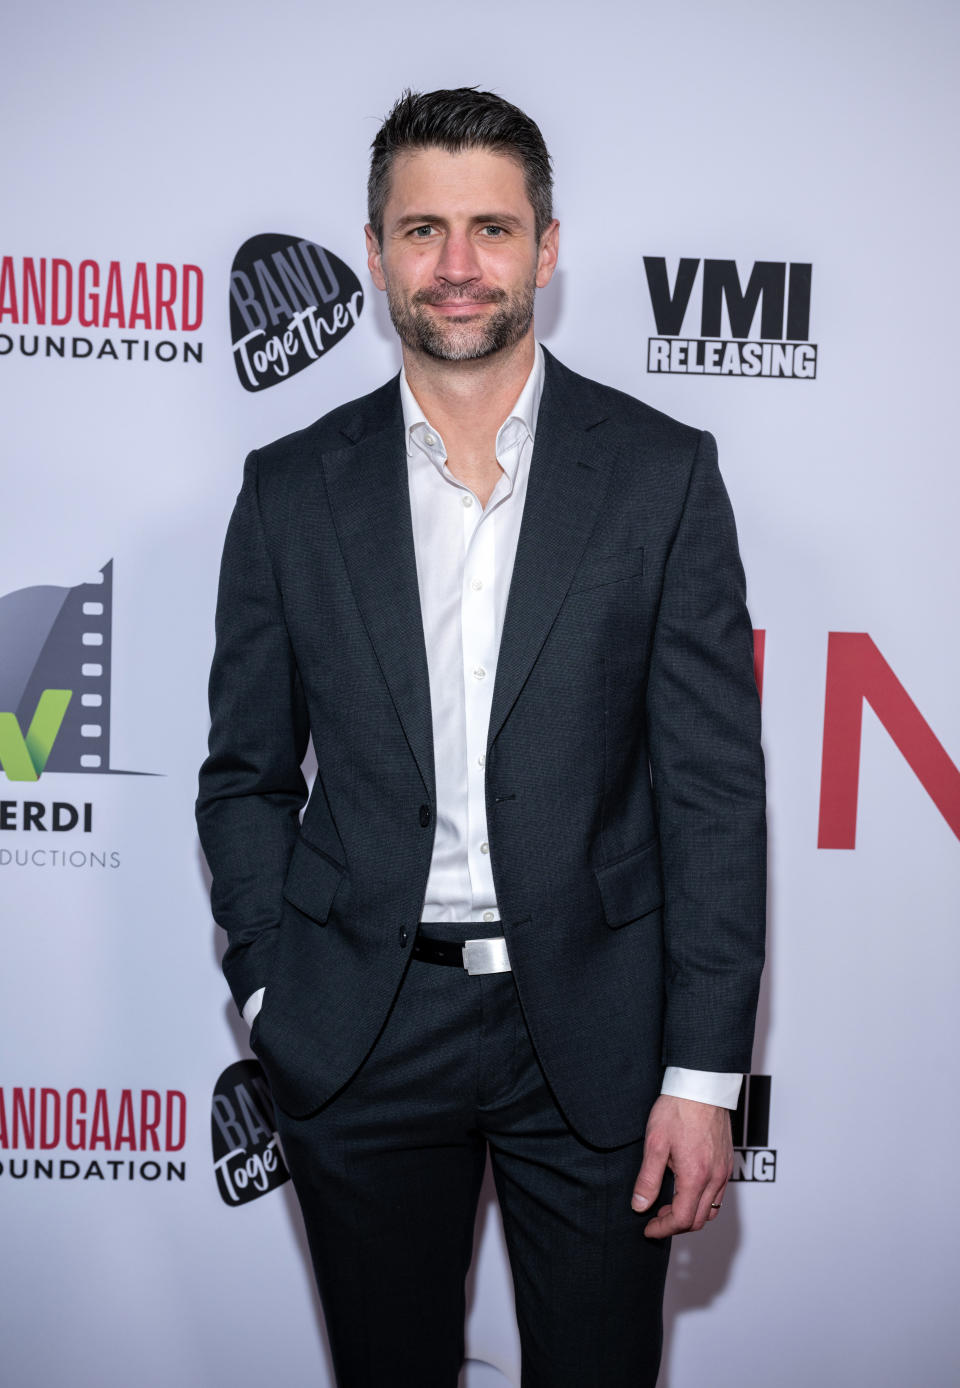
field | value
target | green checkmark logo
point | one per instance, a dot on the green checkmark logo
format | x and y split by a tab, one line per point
24	757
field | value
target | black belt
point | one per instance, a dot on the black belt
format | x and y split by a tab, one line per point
476	956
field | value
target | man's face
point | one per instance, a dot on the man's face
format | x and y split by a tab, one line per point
459	259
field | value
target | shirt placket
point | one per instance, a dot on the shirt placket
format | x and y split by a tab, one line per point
478	629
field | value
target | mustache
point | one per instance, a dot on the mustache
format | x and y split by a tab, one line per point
460	294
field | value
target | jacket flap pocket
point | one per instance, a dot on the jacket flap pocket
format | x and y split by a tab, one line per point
312	881
595	570
631	886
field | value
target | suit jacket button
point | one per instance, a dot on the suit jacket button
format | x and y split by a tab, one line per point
404	937
424	816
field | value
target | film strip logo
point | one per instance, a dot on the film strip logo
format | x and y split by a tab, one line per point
55	679
753	1158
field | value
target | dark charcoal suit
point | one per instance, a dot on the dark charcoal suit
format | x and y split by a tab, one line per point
624	778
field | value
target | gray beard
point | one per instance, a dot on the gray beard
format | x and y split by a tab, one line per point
450	341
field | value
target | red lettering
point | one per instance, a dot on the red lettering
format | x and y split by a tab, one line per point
88	305
23	1118
192	291
76	1124
57	268
163	299
856	671
126	1134
113	300
32	290
100	1123
49	1121
759	655
8	291
140	295
149	1122
176	1119
4	1139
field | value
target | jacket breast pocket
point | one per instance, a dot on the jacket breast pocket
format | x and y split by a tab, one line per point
312	881
597	570
631	886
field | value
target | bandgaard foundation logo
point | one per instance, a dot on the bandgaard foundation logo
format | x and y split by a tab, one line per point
85	1134
246	1153
753	1158
756	327
291	301
55	667
143	311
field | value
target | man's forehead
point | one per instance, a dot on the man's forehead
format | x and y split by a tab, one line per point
456	177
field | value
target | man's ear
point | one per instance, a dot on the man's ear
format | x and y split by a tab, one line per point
374	257
547	254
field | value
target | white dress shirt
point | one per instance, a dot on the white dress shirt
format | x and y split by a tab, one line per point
465	554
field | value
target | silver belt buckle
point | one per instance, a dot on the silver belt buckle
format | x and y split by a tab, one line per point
486	956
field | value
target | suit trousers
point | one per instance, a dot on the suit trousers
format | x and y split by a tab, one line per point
388	1174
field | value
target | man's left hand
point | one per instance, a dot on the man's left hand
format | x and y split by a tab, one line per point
694	1141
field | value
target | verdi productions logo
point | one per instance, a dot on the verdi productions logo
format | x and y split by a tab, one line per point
107	1136
55	667
43	303
246	1152
290	302
760	328
753	1158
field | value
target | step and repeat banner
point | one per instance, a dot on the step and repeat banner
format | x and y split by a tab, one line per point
758	213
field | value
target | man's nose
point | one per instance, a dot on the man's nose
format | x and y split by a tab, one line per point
458	262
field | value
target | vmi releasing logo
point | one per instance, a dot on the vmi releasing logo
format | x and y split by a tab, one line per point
290	301
753	1160
55	678
777	292
246	1155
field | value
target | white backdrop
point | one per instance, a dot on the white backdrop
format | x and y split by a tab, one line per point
171	134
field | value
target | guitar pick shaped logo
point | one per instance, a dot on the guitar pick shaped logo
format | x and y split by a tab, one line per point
246	1156
290	302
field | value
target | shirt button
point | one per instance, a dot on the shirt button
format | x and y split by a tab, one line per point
489	916
429	439
424	815
403	937
476	584
479	673
481	760
466	501
484	848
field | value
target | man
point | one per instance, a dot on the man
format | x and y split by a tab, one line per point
508	605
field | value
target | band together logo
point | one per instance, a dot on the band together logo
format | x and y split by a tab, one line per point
778	291
246	1154
290	302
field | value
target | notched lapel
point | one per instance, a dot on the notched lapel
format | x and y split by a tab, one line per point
568	477
370	502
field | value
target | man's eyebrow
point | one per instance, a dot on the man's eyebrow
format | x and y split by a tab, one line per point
505	219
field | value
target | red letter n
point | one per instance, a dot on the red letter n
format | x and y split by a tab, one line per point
856	671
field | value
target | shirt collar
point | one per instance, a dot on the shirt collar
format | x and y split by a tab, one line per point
519	424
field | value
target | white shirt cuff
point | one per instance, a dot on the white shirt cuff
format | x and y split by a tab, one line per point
253	1005
706	1086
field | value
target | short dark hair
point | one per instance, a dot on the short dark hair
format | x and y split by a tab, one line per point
455	120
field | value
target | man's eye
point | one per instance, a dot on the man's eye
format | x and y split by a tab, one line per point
422	233
492	233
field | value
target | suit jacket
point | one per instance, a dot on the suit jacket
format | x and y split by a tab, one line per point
624	777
